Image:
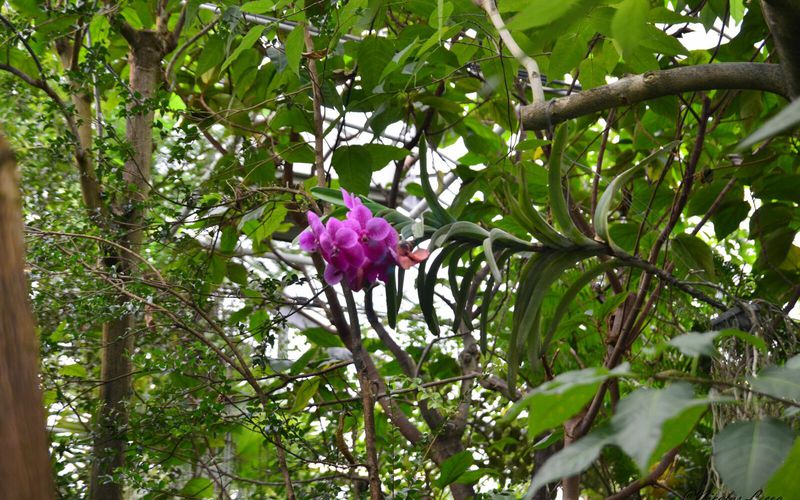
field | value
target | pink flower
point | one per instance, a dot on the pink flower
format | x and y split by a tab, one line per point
361	249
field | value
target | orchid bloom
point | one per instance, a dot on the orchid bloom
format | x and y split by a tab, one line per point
362	249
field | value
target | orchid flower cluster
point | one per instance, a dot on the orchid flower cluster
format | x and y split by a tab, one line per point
360	249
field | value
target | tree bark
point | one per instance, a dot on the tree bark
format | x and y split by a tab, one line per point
146	51
783	18
653	84
25	464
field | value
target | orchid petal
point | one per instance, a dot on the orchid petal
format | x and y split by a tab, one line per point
308	241
378	229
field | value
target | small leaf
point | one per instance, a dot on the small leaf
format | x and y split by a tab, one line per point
247	42
304	394
353	165
747	454
694	254
198	487
453	468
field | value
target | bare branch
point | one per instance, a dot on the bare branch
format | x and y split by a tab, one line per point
534	77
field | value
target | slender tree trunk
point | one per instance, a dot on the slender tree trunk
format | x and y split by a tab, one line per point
146	52
24	464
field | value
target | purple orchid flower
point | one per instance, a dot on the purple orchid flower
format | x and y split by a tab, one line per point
362	249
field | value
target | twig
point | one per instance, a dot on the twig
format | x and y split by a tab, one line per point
534	77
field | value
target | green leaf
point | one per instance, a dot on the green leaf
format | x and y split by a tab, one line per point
571	460
540	13
353	164
374	56
198	487
779	381
553	402
785	483
294	46
747	454
73	370
247	42
452	468
304	394
786	119
676	429
237	273
258	7
694	255
212	54
628	27
695	344
381	154
322	337
640	417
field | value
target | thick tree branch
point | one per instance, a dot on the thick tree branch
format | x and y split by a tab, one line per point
782	18
654	84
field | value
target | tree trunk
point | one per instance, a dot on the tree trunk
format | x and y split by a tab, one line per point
25	464
118	335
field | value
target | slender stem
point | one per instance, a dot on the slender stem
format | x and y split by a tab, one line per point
534	77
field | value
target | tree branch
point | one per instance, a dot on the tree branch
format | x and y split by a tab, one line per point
534	77
654	84
782	18
651	478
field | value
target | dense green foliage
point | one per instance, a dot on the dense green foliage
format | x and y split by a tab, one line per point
610	297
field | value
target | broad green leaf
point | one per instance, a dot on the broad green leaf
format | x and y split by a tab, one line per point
198	487
628	27
539	13
553	402
676	429
294	47
258	6
212	54
453	468
695	344
374	56
779	381
571	460
747	454
381	154
785	483
304	394
247	42
353	164
237	273
694	255
641	415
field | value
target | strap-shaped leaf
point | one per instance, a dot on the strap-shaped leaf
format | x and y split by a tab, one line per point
426	284
459	230
439	213
391	299
531	219
466	284
486	303
603	209
558	201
